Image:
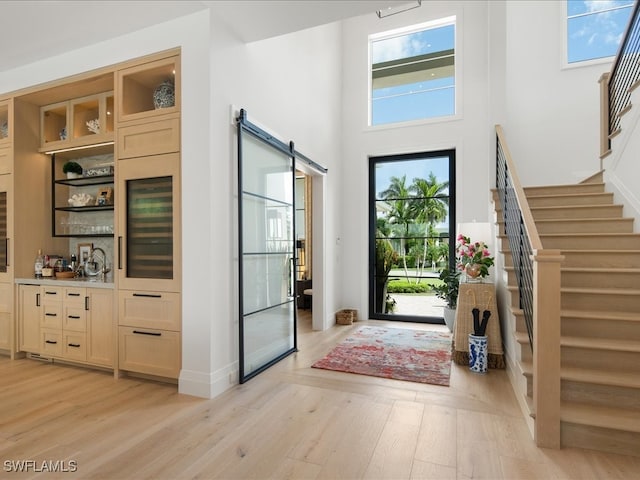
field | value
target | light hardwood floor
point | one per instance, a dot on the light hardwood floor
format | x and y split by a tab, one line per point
290	422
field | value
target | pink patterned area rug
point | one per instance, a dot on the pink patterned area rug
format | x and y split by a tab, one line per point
398	353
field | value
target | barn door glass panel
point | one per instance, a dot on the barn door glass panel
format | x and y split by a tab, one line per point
267	300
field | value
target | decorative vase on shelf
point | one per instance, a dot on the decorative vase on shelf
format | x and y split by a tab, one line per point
473	271
164	95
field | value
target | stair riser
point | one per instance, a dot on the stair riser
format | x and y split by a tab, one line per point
596	394
565	189
600	302
597	359
591	242
603	439
593	211
601	260
608	279
594	328
617	225
564	201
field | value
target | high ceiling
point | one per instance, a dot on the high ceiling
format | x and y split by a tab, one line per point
34	30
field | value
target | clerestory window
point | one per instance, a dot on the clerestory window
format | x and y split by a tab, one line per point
595	28
413	73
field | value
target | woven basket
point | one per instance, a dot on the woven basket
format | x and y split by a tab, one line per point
346	316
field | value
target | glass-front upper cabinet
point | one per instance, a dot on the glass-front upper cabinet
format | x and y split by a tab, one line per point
148	243
6	153
5	122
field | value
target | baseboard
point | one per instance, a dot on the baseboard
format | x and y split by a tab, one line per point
625	196
208	385
515	377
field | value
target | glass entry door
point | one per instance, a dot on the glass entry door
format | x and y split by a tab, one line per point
267	254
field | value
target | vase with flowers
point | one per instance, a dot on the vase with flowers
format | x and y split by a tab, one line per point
473	258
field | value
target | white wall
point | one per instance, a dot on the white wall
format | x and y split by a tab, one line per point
470	133
552	121
289	86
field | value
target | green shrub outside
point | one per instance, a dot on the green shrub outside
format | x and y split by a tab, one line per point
403	286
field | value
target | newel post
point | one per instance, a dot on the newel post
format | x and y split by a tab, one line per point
546	347
605	148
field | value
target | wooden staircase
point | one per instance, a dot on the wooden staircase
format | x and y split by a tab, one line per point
600	313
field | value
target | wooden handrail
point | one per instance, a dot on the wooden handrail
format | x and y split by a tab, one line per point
527	218
546	317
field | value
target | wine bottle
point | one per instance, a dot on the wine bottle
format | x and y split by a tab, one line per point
39	264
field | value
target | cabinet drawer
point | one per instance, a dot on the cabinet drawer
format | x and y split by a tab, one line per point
74	346
159	310
51	342
52	294
74	296
51	316
150	351
75	318
149	138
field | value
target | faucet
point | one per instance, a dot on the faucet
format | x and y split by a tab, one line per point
93	262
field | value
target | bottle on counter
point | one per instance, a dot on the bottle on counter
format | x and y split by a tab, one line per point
39	264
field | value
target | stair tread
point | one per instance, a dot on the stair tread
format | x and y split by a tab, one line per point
601	291
600	416
590	219
590	314
582	206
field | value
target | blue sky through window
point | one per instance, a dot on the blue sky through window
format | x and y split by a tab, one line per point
595	28
406	100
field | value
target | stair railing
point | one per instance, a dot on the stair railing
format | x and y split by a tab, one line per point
538	274
616	86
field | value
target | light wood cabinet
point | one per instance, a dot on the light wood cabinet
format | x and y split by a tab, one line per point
100	327
6	228
6	317
148	224
5	123
139	89
69	323
150	351
149	138
78	122
160	310
29	309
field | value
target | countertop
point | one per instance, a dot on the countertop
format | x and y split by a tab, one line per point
83	282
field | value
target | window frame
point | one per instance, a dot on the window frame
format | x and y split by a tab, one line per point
565	43
453	19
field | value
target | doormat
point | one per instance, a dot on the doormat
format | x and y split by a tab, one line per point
398	353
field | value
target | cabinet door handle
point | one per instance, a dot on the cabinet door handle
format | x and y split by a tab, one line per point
155	334
119	253
37	299
86	303
6	249
73	294
74	345
51	314
148	295
75	317
50	293
52	342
